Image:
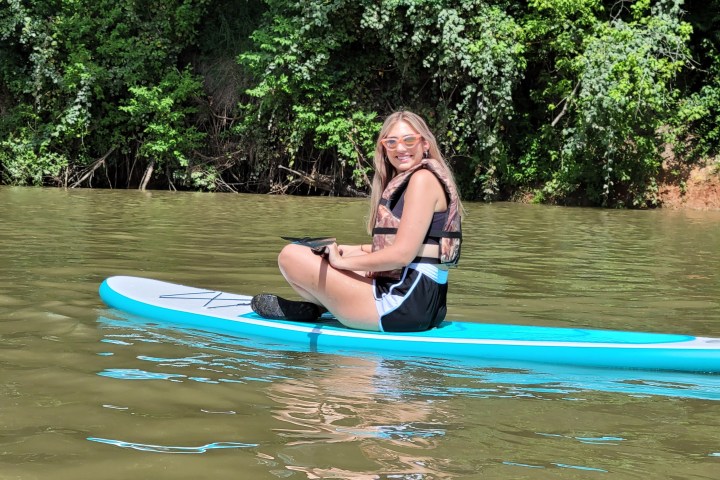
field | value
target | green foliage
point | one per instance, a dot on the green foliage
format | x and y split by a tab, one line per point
72	62
571	99
698	119
697	123
159	118
602	87
351	137
324	65
307	109
24	163
615	94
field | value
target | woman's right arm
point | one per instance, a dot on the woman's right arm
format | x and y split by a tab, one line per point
355	250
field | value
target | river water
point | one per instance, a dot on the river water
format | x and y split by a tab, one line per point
86	392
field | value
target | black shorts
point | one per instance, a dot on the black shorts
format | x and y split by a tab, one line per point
416	302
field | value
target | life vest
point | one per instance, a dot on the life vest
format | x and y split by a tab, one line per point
386	224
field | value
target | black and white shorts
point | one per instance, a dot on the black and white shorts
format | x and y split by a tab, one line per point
416	302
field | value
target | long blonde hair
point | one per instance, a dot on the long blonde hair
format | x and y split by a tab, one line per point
384	171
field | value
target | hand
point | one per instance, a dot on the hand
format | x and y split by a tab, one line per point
324	251
351	250
334	256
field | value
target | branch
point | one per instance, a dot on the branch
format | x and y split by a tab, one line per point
361	159
91	169
564	109
322	182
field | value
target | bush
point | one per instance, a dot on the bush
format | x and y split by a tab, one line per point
573	100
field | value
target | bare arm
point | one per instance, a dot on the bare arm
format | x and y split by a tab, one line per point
423	197
354	250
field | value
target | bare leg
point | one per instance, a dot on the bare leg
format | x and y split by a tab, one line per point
345	294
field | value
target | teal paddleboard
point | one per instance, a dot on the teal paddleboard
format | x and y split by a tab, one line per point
231	313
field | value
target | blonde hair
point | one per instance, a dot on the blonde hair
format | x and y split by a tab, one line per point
384	171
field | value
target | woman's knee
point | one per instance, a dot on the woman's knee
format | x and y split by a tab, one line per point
284	257
290	255
293	261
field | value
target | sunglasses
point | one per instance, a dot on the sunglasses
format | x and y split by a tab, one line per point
409	141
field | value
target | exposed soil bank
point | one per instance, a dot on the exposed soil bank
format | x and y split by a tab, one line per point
696	189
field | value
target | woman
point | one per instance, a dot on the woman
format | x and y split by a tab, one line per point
399	282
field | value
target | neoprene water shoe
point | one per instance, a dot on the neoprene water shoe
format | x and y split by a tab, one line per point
273	307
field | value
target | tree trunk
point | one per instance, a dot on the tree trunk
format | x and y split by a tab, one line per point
147	175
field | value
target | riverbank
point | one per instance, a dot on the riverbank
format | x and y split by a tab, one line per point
697	188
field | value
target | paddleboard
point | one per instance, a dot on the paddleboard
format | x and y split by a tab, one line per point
231	313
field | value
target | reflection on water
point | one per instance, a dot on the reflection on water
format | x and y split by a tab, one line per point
170	449
390	376
87	391
395	410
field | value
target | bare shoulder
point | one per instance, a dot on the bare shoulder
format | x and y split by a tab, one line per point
424	186
424	179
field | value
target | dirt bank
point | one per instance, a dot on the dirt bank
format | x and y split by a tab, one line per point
698	188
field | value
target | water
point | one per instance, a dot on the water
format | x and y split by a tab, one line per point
86	391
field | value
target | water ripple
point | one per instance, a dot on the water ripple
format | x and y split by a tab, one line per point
560	465
144	447
604	440
137	374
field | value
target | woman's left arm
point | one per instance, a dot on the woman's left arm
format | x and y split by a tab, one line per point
424	196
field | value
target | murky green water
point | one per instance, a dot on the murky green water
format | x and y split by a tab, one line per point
84	393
